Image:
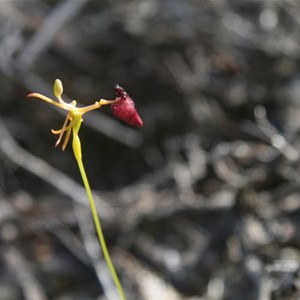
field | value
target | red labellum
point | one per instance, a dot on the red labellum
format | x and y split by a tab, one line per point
124	108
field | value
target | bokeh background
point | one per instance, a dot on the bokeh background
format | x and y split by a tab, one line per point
200	203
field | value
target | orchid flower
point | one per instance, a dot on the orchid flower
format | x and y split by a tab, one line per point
123	108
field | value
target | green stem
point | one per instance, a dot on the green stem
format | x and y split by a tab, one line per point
99	230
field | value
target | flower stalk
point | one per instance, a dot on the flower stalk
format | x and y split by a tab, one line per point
99	229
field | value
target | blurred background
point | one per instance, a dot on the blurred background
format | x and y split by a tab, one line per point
200	203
